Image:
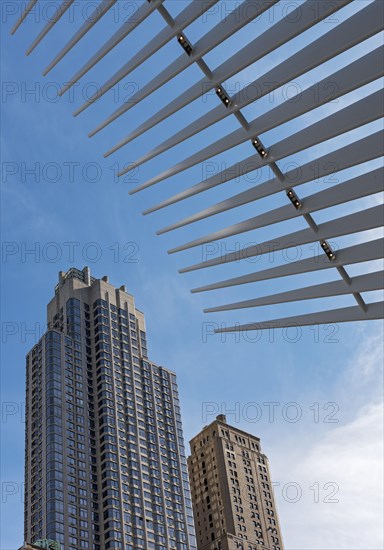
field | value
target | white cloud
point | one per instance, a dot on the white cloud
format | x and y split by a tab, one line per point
345	457
345	466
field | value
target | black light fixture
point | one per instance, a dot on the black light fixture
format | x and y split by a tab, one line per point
294	199
328	250
259	147
223	96
184	43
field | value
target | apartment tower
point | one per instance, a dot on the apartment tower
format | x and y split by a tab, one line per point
232	496
105	459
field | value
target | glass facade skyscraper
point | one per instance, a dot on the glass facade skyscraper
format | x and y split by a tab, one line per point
105	457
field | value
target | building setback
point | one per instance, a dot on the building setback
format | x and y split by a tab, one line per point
105	461
232	496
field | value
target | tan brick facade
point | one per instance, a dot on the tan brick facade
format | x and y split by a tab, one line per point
232	494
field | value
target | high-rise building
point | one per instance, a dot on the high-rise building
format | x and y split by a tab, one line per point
105	458
232	496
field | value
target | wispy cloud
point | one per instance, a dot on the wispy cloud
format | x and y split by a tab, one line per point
339	475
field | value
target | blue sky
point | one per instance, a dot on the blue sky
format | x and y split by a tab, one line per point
72	211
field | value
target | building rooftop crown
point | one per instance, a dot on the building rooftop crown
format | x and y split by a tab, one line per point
74	273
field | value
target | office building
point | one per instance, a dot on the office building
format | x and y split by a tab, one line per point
105	458
232	496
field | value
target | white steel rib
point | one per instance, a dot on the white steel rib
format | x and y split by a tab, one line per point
130	25
91	20
360	283
358	253
370	218
60	11
28	8
356	188
373	311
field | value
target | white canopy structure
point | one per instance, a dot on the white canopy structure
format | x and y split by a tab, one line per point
344	34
